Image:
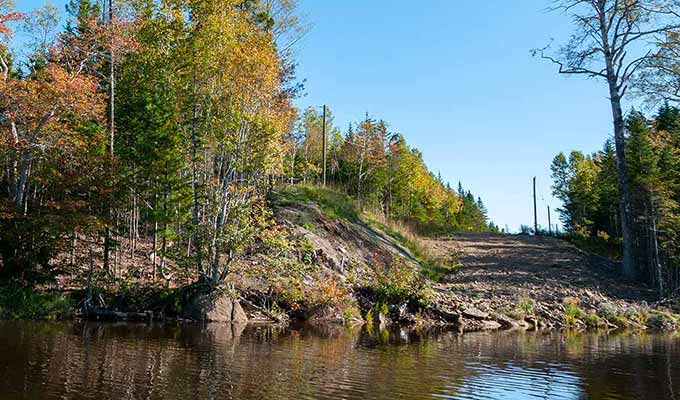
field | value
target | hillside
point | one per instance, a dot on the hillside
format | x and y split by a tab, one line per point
502	281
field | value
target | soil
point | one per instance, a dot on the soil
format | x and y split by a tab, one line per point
500	271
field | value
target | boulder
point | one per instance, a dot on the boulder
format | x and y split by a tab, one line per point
490	326
215	307
509	323
238	316
473	313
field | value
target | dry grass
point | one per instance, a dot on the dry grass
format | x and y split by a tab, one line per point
434	267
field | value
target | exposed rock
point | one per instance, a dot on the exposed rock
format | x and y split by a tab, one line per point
474	313
471	325
381	320
340	243
533	322
507	322
446	315
491	325
238	316
215	307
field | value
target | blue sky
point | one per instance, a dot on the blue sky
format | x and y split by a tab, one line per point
457	78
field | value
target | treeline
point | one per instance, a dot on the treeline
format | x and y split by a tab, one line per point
379	168
142	121
587	185
625	192
159	126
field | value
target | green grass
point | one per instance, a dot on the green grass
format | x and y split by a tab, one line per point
573	314
337	205
333	203
433	268
30	304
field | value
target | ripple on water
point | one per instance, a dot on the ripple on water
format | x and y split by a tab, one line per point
136	361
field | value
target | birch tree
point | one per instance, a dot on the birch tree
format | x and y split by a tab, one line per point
615	40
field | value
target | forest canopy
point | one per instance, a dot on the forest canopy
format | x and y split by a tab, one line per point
587	186
166	123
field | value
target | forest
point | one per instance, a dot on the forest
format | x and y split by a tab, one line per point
586	183
162	127
623	200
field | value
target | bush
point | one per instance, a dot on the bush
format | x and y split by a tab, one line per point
613	315
573	314
328	292
29	304
525	306
592	320
400	283
638	315
663	320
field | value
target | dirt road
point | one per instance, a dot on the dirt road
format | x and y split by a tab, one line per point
499	271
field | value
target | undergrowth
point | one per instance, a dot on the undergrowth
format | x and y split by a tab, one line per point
30	304
400	283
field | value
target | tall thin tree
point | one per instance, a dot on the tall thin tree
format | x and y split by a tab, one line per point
614	40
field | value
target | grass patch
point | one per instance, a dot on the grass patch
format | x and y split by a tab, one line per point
333	203
573	313
433	268
30	304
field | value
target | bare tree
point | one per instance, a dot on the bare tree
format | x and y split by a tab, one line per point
661	82
615	40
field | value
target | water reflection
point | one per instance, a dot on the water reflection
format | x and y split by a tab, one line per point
142	361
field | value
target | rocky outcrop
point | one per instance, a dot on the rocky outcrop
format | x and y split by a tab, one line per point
215	307
338	242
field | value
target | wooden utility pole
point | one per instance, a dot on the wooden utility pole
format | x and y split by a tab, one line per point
549	222
323	132
535	210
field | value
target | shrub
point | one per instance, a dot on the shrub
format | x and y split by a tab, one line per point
573	314
592	320
27	303
525	306
328	293
663	320
613	315
638	315
400	283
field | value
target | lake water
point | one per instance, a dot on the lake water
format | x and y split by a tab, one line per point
141	361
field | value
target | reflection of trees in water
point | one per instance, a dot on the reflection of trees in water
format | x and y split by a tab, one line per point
125	361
